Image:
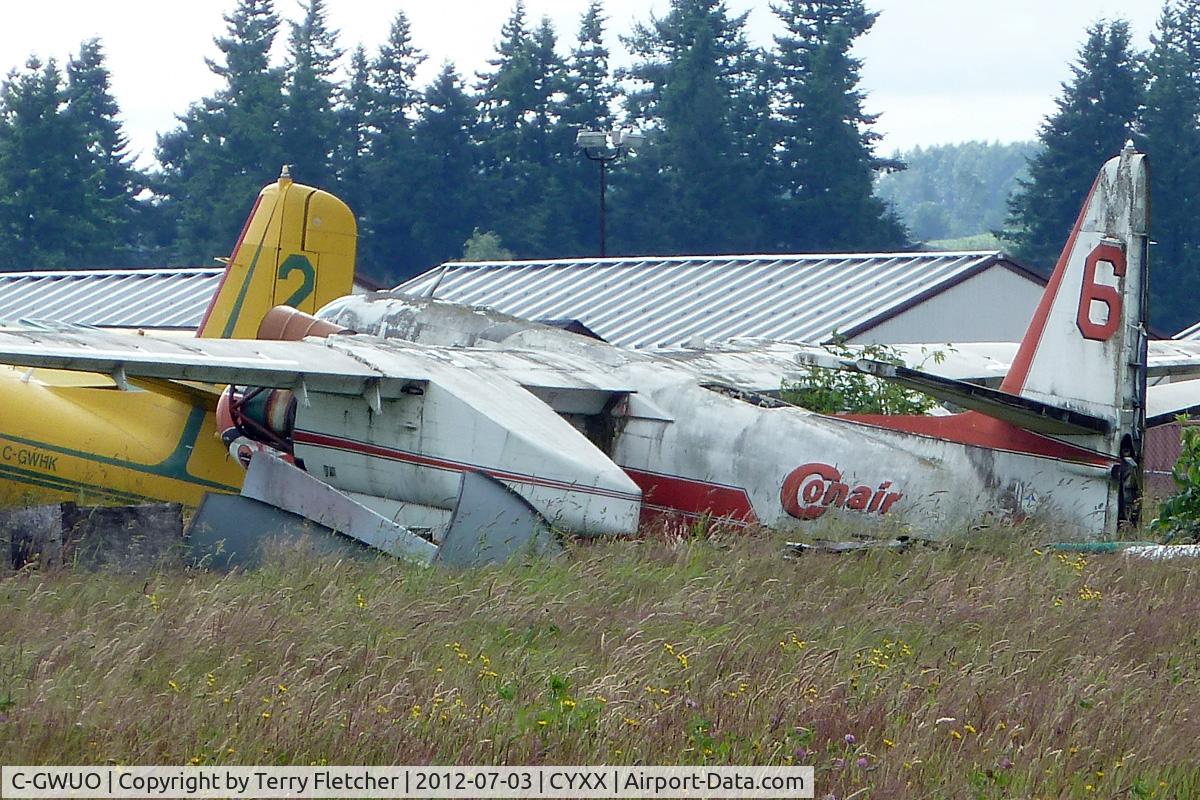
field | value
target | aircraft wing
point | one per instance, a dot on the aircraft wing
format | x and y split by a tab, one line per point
567	385
1031	414
754	366
1166	401
317	365
762	365
1173	357
337	365
530	368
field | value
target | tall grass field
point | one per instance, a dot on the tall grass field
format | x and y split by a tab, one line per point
994	670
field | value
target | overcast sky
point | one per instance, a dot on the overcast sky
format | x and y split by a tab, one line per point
937	71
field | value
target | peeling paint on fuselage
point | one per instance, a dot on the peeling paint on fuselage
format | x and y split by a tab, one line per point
697	436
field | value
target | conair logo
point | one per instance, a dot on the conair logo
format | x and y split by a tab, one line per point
812	489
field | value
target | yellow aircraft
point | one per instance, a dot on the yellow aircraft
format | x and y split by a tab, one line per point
94	438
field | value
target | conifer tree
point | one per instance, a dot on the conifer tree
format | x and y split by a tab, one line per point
546	87
1095	117
309	123
91	105
352	137
588	81
1171	136
51	213
690	68
502	91
227	146
386	242
444	179
518	115
825	138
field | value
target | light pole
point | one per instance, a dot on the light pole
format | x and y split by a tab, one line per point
604	147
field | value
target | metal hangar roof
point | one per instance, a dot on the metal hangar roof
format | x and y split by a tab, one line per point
162	297
1191	332
118	298
671	301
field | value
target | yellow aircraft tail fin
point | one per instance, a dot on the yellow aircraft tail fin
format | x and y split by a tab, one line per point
296	249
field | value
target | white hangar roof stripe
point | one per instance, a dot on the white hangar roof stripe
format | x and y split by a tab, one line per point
118	298
160	298
1192	332
667	302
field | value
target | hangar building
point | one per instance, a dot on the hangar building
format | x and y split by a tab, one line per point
671	302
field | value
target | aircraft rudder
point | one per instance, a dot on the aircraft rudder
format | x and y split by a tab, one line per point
249	269
1084	348
297	248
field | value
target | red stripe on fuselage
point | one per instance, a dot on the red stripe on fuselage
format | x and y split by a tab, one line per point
667	494
979	430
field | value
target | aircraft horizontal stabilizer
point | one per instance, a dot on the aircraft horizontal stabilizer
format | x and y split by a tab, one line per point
1166	401
490	523
273	481
1025	412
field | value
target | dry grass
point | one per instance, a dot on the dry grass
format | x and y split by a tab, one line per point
990	672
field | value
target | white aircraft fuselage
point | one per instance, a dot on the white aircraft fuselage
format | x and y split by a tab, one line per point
700	448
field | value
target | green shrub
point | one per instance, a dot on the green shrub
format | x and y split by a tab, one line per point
1179	516
832	391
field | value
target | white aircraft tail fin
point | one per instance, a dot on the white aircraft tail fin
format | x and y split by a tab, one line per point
1085	349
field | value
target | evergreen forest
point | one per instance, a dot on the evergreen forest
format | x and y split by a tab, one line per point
747	149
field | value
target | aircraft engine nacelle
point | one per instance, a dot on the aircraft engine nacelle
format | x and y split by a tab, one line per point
415	444
252	417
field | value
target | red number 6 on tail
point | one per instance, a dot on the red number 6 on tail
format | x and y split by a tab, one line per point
1101	331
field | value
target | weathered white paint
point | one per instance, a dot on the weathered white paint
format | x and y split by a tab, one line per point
480	374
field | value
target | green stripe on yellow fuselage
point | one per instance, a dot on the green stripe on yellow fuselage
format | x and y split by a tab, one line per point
102	444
